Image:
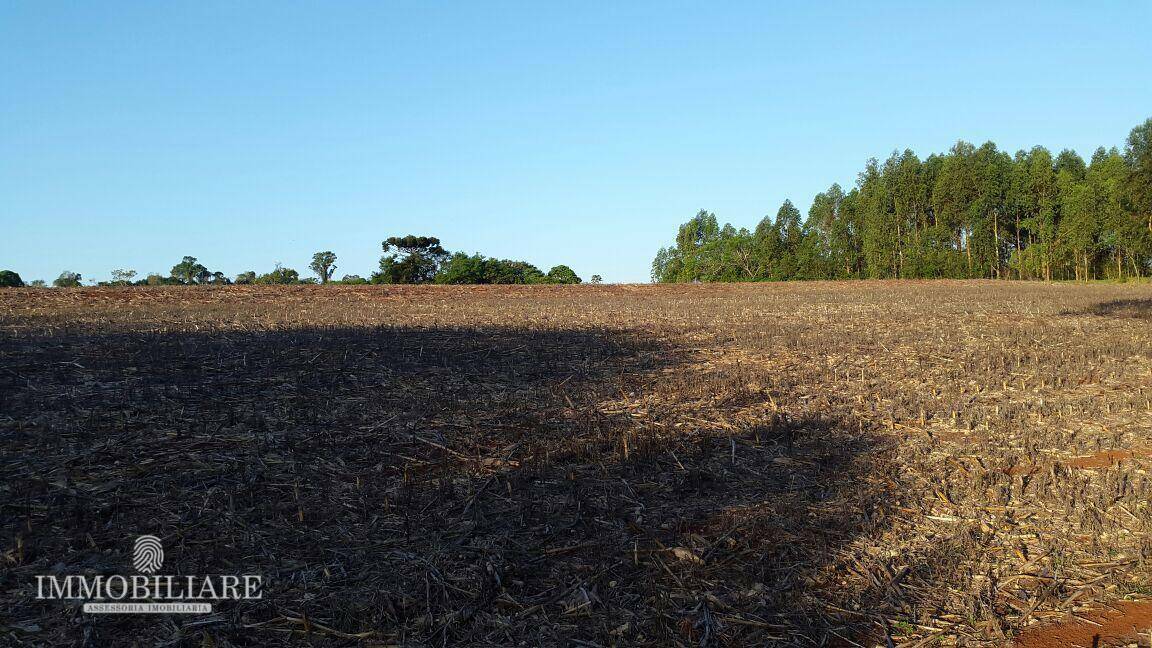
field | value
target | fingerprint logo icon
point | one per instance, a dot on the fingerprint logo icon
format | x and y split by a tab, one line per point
148	554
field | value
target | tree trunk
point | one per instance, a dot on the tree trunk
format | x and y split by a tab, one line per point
968	250
1020	268
996	238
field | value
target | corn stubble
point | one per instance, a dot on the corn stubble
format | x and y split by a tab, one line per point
909	463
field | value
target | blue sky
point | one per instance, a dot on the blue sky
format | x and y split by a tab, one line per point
250	133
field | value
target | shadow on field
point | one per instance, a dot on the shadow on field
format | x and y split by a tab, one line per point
1131	308
423	487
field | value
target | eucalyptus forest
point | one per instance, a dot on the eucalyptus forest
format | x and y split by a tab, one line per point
973	212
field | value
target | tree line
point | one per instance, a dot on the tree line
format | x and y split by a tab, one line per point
973	212
407	260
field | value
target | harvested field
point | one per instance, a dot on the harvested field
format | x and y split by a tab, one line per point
893	463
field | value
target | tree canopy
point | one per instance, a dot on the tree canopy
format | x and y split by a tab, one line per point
416	260
323	264
68	279
9	279
190	271
969	213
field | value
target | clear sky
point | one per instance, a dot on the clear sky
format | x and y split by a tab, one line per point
250	133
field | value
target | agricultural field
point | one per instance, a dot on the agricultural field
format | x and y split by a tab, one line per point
805	464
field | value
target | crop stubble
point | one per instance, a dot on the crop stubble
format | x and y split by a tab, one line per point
799	464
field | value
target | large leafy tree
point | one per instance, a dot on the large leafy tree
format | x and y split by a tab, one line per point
562	274
323	264
412	260
9	279
1124	235
190	271
988	214
1138	184
879	235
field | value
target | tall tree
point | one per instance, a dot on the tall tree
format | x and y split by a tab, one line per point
190	271
989	214
323	264
416	259
879	234
1138	184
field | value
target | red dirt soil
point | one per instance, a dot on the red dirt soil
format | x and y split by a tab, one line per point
1101	460
1128	622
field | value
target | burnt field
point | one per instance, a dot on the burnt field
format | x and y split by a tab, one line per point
944	463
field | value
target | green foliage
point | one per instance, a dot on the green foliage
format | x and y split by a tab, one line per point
596	279
416	260
157	279
463	268
68	279
353	280
38	283
122	277
562	274
323	264
9	279
974	212
280	275
246	277
1138	180
190	271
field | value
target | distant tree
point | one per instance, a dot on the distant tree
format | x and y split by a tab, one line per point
280	275
1079	228
190	271
416	260
562	274
463	268
157	279
505	271
9	279
122	277
247	277
1138	184
1123	234
595	279
68	279
323	264
791	235
38	283
218	279
353	280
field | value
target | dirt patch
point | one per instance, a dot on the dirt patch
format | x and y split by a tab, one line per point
1129	621
1105	459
